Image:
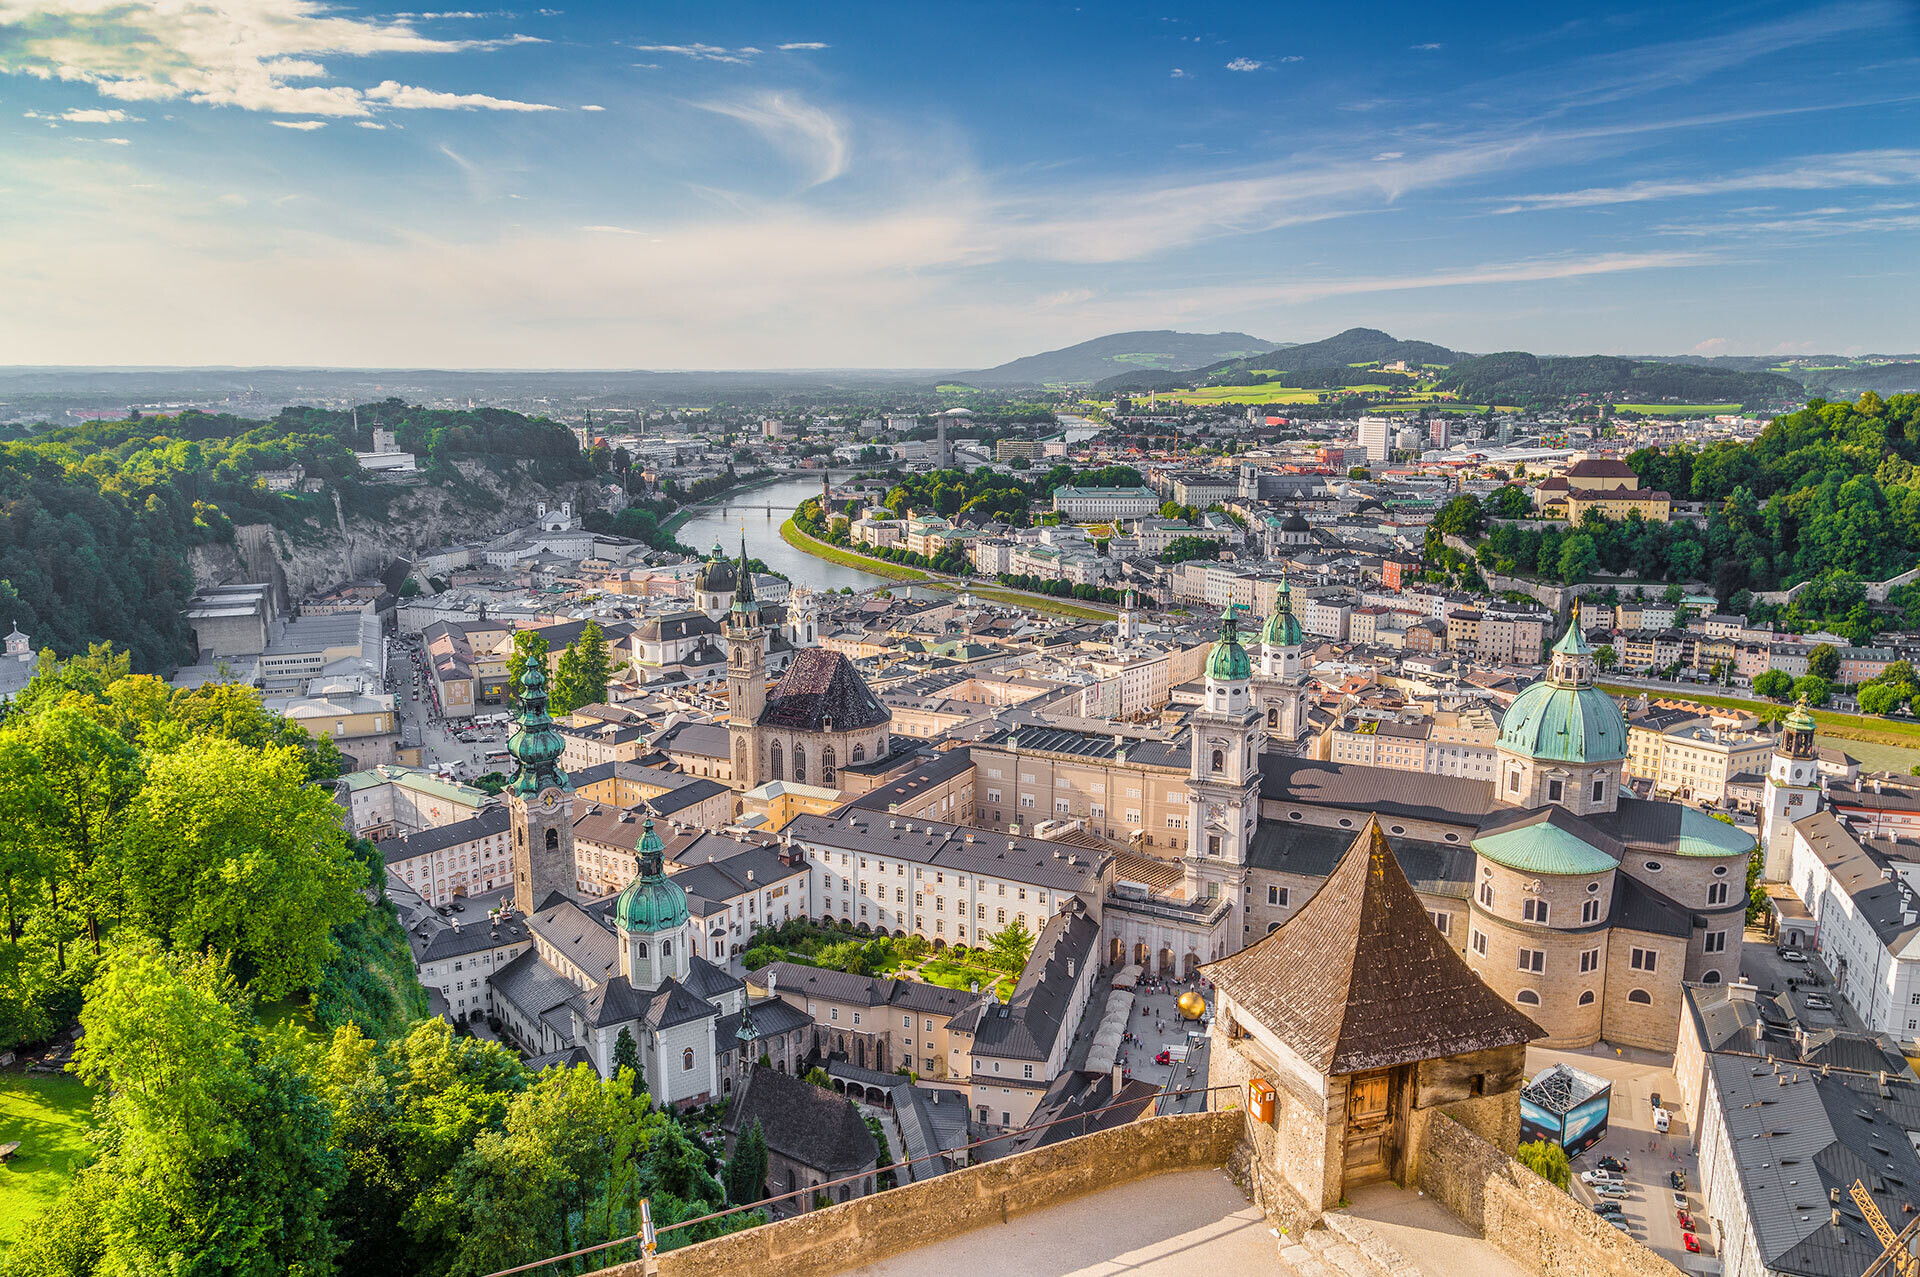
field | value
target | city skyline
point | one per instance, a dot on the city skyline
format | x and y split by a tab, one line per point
274	181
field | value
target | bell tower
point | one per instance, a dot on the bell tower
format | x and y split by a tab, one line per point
1793	791
746	679
539	799
1223	782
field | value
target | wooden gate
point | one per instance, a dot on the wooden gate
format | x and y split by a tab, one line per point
1370	1127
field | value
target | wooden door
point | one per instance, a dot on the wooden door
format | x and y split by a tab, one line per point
1370	1109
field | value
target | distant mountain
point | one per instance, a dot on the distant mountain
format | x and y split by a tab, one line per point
1117	354
1831	376
1517	378
1354	346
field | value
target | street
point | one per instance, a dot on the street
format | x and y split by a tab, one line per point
422	727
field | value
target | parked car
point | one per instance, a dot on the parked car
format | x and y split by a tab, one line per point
1792	955
1609	1190
1618	1221
1691	1242
1819	1002
1165	1057
1617	1165
1607	1208
1680	1202
1661	1121
1678	1179
1686	1220
1601	1176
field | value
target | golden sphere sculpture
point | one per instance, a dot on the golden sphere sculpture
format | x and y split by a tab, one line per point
1192	1005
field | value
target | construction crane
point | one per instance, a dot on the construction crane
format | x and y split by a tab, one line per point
1897	1253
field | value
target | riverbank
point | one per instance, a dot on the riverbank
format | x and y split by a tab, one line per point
678	517
1075	609
790	533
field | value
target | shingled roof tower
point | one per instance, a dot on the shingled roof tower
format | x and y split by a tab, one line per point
1361	1015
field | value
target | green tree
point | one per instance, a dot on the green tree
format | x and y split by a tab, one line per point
1879	698
626	1055
1605	657
228	850
1011	946
1547	1160
1813	689
747	1169
817	1076
1359	472
563	696
528	645
1824	661
1777	684
1578	556
1460	517
596	664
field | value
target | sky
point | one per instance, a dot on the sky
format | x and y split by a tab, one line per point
827	185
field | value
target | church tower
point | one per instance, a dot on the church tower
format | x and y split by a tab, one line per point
746	679
651	919
1279	689
1223	780
1793	791
539	799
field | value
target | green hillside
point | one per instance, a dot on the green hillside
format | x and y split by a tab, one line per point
1117	354
1517	378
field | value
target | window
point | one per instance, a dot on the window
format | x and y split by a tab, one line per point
1442	922
1555	789
1527	998
828	764
779	762
1599	789
1717	893
1513	782
1486	894
1534	910
1589	911
1026	1070
1640	997
1716	942
799	765
1026	800
1534	960
833	1013
1586	998
1644	959
1277	896
686	1060
553	840
1478	941
1653	866
1001	917
1589	960
856	1017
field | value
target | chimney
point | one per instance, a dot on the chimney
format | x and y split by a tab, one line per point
1742	991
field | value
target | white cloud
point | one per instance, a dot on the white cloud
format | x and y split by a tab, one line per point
1810	173
245	53
591	107
1245	64
612	230
1426	47
107	141
407	97
304	126
1178	74
804	44
1389	155
815	140
86	115
370	124
698	52
1294	57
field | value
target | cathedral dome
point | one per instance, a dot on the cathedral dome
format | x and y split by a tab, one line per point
1282	628
651	902
1229	662
1295	523
716	575
1564	718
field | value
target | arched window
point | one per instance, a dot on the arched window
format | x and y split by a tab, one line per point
1486	894
553	840
1219	761
686	1059
640	949
779	762
799	764
1640	997
1586	999
828	762
1273	717
859	753
1711	977
1527	998
666	948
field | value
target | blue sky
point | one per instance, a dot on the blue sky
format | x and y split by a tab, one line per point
916	185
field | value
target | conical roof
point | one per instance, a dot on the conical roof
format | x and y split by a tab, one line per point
534	744
1360	978
1228	661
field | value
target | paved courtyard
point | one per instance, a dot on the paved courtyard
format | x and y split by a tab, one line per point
1175	1225
1426	1232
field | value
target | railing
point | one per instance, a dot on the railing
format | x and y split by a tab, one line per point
1079	1119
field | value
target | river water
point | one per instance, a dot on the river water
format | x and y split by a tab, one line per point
749	510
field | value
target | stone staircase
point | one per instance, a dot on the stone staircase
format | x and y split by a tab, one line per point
1342	1246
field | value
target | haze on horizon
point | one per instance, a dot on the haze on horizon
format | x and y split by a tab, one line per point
282	182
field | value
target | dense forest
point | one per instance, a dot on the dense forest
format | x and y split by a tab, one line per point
1516	378
96	520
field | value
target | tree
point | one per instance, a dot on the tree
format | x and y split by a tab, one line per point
562	698
1460	517
1824	661
1547	1160
1776	684
1879	698
747	1169
228	850
528	645
626	1055
1605	657
1813	689
1359	472
1578	555
1011	946
817	1076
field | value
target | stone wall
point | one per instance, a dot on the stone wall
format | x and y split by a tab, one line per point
1540	1228
840	1238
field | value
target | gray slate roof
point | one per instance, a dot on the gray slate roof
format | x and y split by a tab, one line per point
1452	800
803	1123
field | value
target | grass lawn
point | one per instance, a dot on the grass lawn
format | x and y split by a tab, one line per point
48	1113
790	533
1060	607
1897	734
955	975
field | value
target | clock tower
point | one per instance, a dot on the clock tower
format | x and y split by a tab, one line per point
746	678
1793	791
539	799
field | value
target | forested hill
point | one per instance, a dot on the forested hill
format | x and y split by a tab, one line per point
1516	378
96	520
1116	353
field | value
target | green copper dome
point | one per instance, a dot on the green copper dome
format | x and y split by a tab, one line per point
535	746
1281	629
652	902
1798	719
1564	718
1229	662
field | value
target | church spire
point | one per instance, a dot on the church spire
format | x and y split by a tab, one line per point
534	745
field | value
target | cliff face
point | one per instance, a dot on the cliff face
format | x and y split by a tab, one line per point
419	517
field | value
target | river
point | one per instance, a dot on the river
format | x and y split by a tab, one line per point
724	522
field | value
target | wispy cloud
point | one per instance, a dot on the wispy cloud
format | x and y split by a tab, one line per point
304	126
1810	173
407	97
370	124
1178	74
591	107
816	140
803	44
258	55
1428	47
85	115
1245	64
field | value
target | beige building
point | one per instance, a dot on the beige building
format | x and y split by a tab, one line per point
1125	789
877	1023
362	726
